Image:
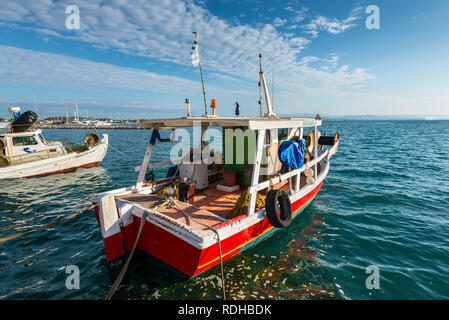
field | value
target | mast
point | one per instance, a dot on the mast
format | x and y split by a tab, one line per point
270	113
76	112
66	111
260	87
195	53
272	81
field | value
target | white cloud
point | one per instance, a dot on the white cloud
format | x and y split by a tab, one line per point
332	25
162	29
300	14
299	42
279	22
53	70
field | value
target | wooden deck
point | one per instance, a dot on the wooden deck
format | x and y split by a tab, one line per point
210	206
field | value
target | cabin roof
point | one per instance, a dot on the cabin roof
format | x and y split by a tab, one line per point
251	123
21	134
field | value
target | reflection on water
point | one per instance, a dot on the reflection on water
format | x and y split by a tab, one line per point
261	272
32	262
29	203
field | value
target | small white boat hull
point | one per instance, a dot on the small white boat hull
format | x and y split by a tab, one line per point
59	164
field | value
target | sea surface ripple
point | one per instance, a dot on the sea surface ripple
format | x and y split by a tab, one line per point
385	203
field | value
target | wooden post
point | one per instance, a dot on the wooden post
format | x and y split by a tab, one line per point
256	170
146	159
315	151
298	176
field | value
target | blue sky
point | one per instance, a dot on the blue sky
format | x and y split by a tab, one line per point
131	59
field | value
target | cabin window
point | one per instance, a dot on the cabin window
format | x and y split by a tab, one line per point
24	141
41	137
282	134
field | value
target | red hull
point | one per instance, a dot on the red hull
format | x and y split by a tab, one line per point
183	256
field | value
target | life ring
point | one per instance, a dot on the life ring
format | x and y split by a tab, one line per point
278	201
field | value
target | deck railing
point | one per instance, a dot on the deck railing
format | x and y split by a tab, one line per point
296	172
30	157
252	190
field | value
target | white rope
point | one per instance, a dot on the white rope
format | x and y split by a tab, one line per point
122	153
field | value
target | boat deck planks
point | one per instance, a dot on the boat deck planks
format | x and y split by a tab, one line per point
211	206
201	211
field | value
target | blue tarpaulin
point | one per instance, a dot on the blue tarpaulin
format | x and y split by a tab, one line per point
291	153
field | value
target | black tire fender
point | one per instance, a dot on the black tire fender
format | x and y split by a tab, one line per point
278	200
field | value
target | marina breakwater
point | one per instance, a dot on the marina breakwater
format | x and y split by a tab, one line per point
84	127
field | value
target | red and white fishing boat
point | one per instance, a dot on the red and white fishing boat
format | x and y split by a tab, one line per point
25	153
207	223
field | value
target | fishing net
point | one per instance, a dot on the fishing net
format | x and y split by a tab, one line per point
163	191
70	147
241	207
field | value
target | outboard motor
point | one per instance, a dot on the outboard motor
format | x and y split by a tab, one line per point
24	121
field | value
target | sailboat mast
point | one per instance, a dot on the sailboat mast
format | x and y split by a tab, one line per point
66	111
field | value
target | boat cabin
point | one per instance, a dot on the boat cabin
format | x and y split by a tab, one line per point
249	156
28	146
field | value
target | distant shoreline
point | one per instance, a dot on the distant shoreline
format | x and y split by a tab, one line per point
81	127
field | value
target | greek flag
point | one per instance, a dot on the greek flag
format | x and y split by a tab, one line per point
195	55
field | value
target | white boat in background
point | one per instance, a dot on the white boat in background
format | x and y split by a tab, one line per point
24	152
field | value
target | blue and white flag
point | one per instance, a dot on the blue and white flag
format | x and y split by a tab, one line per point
195	55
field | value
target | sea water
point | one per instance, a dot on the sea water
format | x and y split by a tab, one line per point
378	229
